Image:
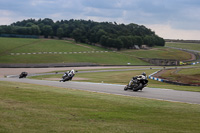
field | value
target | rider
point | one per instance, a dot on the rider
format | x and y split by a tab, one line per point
134	79
71	73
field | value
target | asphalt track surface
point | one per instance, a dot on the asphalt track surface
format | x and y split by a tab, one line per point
150	93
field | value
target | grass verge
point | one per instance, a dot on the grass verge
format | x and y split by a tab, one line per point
34	108
186	75
121	77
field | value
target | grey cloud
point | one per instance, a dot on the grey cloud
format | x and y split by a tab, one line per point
182	14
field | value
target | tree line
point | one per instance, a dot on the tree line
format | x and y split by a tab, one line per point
107	34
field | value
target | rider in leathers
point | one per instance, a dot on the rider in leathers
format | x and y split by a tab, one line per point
134	79
70	73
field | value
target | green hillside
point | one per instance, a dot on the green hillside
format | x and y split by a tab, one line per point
190	46
18	50
159	53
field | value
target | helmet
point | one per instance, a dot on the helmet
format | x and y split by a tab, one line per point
72	71
144	73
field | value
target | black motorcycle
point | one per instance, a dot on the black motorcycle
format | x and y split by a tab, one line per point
138	83
23	75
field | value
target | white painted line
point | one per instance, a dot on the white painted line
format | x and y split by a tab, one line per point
59	52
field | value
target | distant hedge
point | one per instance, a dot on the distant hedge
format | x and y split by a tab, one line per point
19	36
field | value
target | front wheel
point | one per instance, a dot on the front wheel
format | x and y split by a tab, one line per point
139	87
126	88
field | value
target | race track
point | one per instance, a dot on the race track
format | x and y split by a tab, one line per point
152	93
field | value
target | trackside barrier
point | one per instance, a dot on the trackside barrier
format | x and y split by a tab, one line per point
154	78
194	63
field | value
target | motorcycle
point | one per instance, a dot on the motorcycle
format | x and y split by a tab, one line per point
137	83
68	76
23	75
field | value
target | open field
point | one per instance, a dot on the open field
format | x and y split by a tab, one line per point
34	108
17	50
190	46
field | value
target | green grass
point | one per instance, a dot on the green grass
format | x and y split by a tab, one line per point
43	45
33	108
122	77
190	71
18	45
159	53
109	58
191	46
116	78
183	75
10	44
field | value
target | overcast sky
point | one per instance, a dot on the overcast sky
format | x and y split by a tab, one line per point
170	19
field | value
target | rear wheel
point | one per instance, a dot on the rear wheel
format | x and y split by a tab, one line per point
139	87
66	79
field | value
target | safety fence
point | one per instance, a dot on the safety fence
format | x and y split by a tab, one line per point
194	63
154	78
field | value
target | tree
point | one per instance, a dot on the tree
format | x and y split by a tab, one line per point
107	33
29	24
1	30
8	29
60	33
139	40
35	30
48	21
103	40
149	40
118	44
47	30
125	42
99	34
66	31
76	34
28	31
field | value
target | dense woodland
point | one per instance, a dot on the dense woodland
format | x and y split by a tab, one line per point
105	33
